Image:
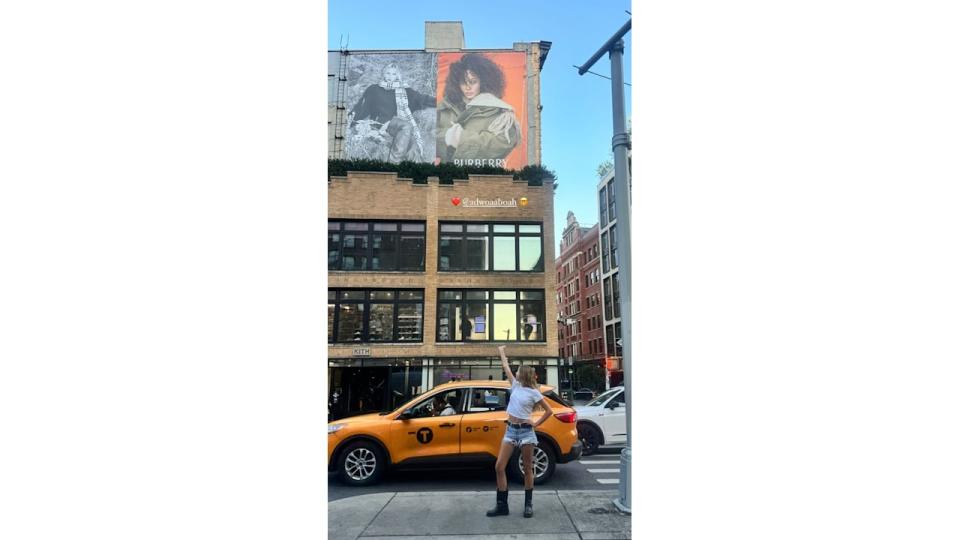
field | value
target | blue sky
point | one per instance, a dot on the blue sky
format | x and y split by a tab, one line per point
577	117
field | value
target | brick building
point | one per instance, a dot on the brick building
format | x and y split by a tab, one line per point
581	337
426	280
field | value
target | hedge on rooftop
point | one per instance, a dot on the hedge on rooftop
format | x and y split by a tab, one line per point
447	172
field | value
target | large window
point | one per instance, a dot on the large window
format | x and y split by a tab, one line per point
603	206
616	294
491	315
610	203
605	241
376	245
607	299
374	315
613	247
497	247
613	337
617	347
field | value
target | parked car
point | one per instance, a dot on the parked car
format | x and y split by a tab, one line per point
583	396
603	421
466	425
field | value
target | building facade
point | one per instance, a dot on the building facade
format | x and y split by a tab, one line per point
581	331
426	280
610	278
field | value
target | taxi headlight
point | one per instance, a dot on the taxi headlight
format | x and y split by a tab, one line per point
333	428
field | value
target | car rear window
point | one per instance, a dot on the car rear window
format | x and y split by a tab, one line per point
554	396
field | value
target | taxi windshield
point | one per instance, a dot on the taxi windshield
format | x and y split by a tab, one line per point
409	403
597	401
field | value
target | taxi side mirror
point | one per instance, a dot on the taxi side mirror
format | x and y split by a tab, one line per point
405	415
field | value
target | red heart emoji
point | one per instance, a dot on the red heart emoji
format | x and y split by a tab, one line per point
455	201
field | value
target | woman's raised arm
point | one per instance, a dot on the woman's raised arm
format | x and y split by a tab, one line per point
506	365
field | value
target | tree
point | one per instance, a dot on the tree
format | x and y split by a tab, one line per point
606	165
589	375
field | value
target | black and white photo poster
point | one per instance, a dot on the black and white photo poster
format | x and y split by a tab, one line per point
391	107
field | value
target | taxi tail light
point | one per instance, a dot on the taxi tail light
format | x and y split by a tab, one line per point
567	417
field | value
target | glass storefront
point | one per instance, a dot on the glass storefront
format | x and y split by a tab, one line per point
370	385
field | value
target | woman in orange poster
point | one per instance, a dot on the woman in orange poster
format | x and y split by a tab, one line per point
474	125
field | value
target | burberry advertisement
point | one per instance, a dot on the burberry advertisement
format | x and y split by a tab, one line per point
481	109
461	108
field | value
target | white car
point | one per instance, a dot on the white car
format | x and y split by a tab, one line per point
602	421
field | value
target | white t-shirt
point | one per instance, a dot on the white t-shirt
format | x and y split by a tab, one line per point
449	410
522	400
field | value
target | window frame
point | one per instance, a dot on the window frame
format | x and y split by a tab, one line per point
491	235
370	251
614	263
603	205
610	336
605	242
490	302
611	203
608	298
430	397
367	302
469	394
615	286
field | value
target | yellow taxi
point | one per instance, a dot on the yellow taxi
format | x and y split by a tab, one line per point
454	423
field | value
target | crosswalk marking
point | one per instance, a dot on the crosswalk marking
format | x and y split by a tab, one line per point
611	465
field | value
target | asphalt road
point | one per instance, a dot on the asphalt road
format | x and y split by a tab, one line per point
599	471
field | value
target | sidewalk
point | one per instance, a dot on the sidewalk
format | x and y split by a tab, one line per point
461	515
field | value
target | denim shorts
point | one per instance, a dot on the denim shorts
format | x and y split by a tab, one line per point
520	436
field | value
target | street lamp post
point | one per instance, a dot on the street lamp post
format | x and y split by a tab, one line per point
621	141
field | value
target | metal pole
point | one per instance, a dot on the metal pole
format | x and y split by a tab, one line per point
622	189
606	47
620	142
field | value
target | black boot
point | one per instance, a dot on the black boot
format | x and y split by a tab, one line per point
501	509
528	503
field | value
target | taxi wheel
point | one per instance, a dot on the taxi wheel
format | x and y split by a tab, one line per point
361	464
544	463
590	436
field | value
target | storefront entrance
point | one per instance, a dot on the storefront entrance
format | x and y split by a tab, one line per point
365	388
357	390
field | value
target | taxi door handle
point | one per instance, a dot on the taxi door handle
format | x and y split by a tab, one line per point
447	425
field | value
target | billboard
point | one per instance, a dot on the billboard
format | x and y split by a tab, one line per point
482	108
463	108
392	107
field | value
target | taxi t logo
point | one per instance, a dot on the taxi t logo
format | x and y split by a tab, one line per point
424	435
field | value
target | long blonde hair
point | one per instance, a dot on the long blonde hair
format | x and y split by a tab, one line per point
526	375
